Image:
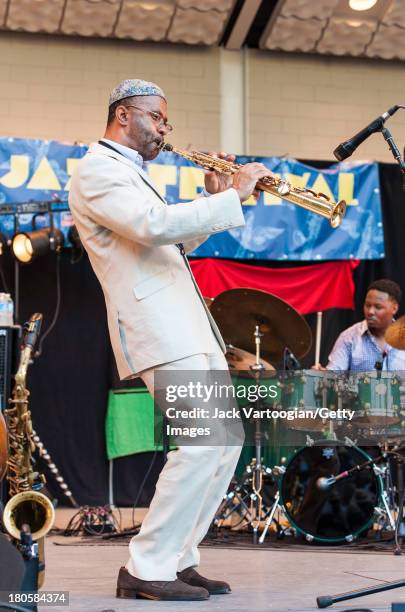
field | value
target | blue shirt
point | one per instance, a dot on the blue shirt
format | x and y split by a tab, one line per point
356	349
126	152
132	155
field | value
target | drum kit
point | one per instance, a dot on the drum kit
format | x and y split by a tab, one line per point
329	479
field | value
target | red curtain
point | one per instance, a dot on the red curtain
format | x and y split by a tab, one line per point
308	289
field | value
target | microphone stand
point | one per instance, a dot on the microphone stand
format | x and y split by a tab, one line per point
324	601
394	150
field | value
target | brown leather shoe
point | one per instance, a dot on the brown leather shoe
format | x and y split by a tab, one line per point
193	578
129	587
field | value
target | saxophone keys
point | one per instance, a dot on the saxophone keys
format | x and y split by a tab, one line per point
283	188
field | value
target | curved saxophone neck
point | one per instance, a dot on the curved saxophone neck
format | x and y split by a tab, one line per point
25	357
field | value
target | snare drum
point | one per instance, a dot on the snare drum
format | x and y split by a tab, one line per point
343	510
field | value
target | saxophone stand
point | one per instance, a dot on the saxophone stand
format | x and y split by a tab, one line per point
33	566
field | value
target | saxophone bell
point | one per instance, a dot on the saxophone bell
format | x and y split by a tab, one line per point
30	508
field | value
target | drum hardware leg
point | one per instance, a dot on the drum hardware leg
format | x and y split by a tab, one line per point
400	523
270	517
256	497
384	499
231	503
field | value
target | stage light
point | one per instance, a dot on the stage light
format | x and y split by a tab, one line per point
26	246
362	5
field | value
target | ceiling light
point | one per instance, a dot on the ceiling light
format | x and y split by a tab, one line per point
362	5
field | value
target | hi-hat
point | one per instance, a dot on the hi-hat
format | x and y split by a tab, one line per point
238	311
395	334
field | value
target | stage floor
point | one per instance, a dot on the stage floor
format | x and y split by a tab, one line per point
262	580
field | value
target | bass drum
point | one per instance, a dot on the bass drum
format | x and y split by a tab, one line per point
3	446
339	513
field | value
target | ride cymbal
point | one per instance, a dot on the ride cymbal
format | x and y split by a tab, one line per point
238	311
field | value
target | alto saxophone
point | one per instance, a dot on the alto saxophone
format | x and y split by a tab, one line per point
318	203
27	510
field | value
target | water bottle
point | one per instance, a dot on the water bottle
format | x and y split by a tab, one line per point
6	310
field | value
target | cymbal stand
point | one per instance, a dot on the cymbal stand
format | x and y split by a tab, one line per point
256	505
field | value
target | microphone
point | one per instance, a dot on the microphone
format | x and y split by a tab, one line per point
380	364
345	149
326	483
290	360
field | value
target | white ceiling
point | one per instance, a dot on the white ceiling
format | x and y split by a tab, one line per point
332	27
181	21
307	26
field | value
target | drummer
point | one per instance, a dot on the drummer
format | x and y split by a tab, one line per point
362	347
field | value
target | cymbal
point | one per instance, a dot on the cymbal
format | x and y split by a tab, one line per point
240	361
375	420
238	311
395	334
315	425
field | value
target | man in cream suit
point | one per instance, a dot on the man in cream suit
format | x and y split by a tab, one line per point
157	319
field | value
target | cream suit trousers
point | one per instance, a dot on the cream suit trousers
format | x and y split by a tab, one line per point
188	493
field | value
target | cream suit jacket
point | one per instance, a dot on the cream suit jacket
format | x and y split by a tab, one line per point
155	311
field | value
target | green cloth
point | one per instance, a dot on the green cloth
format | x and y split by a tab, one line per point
130	423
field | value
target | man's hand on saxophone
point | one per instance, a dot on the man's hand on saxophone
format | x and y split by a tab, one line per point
215	182
247	177
243	180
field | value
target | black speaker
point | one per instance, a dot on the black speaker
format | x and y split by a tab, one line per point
9	349
12	567
9	354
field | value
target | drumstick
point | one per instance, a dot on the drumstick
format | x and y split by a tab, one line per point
318	336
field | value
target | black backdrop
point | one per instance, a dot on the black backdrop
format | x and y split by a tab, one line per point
70	380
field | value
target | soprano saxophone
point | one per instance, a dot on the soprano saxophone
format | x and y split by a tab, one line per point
27	510
318	203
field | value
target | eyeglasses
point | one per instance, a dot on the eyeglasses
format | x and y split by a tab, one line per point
156	117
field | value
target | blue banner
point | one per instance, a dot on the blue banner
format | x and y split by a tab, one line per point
38	170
